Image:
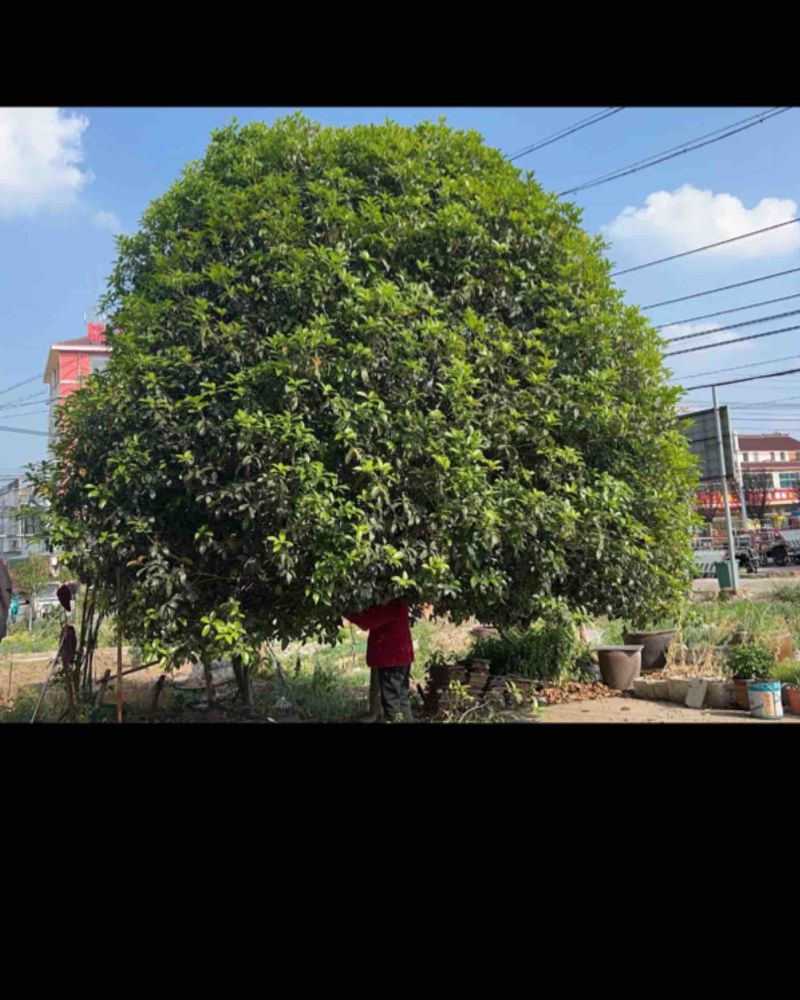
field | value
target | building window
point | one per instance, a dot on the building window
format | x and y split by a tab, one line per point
772	456
788	480
745	457
783	456
99	361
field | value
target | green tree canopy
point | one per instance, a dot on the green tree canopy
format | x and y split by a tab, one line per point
32	573
368	362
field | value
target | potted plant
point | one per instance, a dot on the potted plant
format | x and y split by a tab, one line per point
654	635
748	663
793	693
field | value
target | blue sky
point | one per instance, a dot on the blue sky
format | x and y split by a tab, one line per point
71	177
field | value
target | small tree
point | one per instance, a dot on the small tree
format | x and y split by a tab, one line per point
756	487
708	502
31	574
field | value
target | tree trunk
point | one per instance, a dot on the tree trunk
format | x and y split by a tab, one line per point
243	682
209	682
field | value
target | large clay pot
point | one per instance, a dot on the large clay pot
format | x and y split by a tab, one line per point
740	694
654	647
619	665
794	699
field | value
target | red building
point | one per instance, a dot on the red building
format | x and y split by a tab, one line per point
71	361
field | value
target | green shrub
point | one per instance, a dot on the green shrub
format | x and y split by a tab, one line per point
546	650
750	661
787	672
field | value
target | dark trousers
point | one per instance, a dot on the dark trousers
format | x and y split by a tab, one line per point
394	684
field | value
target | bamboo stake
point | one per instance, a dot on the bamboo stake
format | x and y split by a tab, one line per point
10	674
119	646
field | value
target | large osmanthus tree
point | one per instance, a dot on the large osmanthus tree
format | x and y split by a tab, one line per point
359	363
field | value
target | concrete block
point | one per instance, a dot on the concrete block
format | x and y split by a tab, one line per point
678	689
696	695
643	688
661	690
720	694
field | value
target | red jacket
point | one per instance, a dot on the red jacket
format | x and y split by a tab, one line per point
389	643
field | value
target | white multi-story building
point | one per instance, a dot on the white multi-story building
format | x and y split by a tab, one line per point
18	517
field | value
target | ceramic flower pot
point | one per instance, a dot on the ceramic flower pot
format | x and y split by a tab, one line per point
654	647
619	665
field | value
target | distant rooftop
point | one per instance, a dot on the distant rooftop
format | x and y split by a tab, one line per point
768	442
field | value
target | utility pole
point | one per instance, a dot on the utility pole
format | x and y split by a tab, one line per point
728	523
740	478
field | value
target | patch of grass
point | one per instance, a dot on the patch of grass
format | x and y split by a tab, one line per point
324	694
547	651
43	635
787	593
52	709
787	672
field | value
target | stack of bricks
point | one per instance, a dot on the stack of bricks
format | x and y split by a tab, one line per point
499	691
480	686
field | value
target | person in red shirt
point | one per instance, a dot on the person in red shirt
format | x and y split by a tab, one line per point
390	652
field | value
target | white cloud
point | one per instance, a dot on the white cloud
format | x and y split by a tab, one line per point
107	220
40	159
688	218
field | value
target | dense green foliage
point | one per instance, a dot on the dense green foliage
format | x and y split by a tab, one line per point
364	363
548	650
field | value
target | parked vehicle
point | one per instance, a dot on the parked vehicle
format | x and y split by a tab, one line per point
786	547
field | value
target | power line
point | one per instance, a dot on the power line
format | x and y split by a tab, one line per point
25	401
18	384
735	340
749	378
23	430
765	402
722	288
567	130
735	368
709	246
732	326
686	147
724	312
24	413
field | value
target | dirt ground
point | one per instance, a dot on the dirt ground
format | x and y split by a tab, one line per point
29	670
625	710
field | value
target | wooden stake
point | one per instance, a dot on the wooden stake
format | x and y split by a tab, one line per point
159	684
10	674
119	646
